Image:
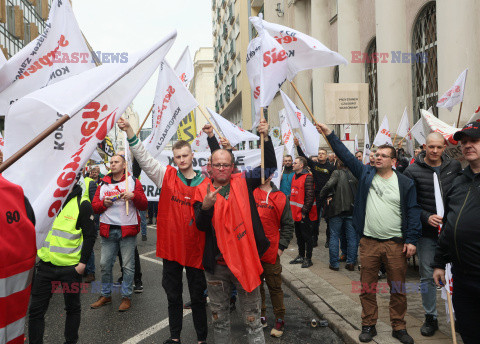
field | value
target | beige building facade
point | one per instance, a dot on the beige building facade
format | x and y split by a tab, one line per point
422	46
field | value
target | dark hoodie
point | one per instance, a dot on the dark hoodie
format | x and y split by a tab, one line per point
85	222
422	175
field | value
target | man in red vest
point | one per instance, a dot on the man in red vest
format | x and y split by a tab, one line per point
234	239
274	210
179	243
18	251
304	211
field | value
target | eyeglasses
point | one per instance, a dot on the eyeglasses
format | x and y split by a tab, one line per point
383	156
219	166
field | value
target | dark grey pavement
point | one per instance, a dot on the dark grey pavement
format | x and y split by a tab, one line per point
147	320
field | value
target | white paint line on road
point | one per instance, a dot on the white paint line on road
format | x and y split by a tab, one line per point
153	260
153	329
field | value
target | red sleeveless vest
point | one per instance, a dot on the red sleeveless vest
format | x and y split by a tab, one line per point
178	238
232	222
18	251
297	198
270	212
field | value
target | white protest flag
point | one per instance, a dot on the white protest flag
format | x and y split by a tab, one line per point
366	145
287	133
184	67
172	103
303	51
3	59
311	137
383	136
455	94
95	100
266	68
475	117
200	143
58	53
232	132
418	133
404	125
96	156
355	145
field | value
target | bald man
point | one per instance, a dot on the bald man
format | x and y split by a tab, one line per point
432	160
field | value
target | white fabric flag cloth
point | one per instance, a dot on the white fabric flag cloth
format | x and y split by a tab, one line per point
96	156
404	125
455	94
246	160
200	143
475	117
356	148
266	68
448	268
3	59
2	142
418	133
366	145
303	51
383	136
95	100
172	103
232	132
311	137
287	133
58	53
184	67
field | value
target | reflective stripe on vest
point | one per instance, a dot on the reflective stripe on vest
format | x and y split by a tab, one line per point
14	284
63	245
12	331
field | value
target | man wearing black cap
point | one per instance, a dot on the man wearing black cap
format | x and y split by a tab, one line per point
459	242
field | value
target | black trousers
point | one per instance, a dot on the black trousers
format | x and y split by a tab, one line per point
152	210
466	302
137	279
316	223
173	285
47	279
303	232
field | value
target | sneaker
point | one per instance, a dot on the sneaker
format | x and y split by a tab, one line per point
343	258
277	331
171	341
118	283
102	301
263	320
144	238
125	305
89	278
368	332
307	263
187	305
429	326
298	260
138	288
333	268
402	336
350	267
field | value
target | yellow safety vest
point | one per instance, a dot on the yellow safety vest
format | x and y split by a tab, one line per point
87	187
63	245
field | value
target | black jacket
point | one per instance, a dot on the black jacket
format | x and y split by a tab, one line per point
422	175
321	172
343	187
459	240
203	218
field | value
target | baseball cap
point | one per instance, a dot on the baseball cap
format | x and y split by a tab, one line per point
471	129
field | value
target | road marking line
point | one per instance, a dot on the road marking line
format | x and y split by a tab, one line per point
153	329
153	260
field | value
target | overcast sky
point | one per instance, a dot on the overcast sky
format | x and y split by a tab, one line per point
126	25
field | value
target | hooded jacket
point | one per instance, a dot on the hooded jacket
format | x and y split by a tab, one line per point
343	185
422	175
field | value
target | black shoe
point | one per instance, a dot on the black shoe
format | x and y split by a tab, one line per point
138	288
402	336
171	341
187	305
368	332
332	268
327	244
144	238
429	326
298	260
307	262
315	244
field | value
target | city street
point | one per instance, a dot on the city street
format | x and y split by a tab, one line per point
147	320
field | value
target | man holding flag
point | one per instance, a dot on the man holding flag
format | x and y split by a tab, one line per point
179	243
459	242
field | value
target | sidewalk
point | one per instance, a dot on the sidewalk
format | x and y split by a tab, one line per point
331	295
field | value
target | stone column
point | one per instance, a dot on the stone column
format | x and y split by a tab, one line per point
349	40
394	71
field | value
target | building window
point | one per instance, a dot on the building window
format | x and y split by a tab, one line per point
424	69
371	79
336	75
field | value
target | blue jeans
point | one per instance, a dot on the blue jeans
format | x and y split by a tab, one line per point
143	223
338	226
426	253
110	247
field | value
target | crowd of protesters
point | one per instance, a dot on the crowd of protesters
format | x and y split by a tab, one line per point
378	214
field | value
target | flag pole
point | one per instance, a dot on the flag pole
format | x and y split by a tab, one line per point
209	121
450	311
126	179
394	138
141	126
459	113
403	138
39	138
309	112
262	150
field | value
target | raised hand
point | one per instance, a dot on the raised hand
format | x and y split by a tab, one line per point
322	128
208	129
295	141
210	198
124	125
225	143
263	128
